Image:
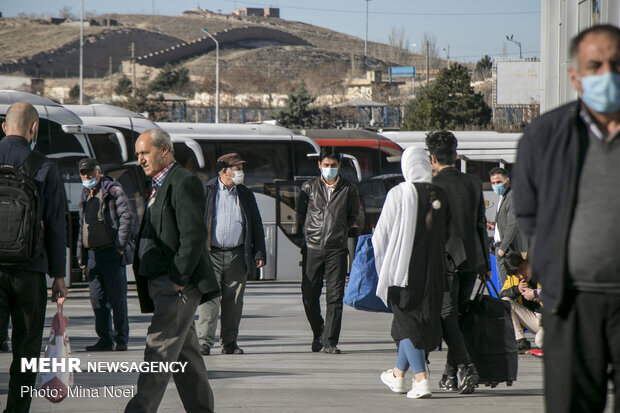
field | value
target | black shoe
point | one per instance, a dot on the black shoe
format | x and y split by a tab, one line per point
121	347
4	347
205	349
523	345
231	348
317	345
331	349
467	378
99	346
447	383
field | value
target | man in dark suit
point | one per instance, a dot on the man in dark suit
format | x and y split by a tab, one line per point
23	293
173	275
507	236
467	247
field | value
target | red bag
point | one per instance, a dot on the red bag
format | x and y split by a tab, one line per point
57	384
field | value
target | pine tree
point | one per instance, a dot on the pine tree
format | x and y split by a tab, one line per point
448	103
296	112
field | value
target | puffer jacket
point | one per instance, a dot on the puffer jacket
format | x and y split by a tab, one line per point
118	215
510	289
325	224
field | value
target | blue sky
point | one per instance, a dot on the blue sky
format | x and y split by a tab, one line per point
471	29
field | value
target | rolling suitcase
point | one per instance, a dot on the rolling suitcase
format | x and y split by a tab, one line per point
490	338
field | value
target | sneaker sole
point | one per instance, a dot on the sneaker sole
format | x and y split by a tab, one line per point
420	396
391	387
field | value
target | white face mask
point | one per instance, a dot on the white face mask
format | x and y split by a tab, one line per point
238	178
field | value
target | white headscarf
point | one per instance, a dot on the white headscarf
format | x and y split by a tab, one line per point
395	231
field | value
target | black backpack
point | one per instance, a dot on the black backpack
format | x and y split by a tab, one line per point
21	212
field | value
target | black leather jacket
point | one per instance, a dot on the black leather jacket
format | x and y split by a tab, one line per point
326	223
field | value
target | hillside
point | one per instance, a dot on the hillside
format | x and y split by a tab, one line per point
38	48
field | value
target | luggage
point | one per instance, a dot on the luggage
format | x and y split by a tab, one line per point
490	338
361	289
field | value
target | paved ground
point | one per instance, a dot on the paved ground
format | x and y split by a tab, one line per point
278	371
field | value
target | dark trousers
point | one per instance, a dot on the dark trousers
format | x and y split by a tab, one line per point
332	264
172	337
579	349
461	287
108	295
23	295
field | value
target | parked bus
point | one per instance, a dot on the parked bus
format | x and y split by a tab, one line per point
65	139
478	153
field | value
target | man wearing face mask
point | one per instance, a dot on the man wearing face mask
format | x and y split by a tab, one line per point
105	242
506	237
237	243
565	182
328	207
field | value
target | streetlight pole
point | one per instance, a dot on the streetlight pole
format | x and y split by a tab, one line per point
81	52
447	54
427	62
217	76
510	39
366	37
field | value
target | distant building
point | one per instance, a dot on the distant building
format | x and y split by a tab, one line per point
516	92
265	12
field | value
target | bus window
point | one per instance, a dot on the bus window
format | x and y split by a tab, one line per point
481	170
106	148
304	165
185	156
389	167
52	139
209	152
367	158
266	161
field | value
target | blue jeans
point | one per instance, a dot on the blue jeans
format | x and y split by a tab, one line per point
108	295
408	355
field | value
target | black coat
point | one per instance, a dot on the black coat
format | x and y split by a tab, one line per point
179	235
417	307
326	224
13	151
545	180
468	244
254	242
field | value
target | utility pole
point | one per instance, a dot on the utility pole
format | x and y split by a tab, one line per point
217	76
133	69
427	62
81	52
366	37
110	74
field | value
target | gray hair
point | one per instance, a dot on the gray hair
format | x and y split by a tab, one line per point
160	138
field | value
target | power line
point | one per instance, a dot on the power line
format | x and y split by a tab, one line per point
397	13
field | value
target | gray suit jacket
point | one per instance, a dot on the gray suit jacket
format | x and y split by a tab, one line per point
512	240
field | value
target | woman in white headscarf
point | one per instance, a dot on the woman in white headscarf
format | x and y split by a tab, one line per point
409	244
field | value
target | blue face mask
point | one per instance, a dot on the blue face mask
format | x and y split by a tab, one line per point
329	173
499	189
601	92
91	183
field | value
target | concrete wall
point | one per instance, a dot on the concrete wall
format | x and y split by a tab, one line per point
183	50
561	20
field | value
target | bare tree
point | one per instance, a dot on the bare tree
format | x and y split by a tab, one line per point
66	13
399	45
90	14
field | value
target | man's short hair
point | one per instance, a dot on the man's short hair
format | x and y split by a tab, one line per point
608	29
330	152
512	262
442	144
160	138
498	171
21	116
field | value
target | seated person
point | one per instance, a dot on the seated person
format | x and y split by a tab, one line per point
523	295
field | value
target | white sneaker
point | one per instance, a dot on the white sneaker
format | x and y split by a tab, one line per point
419	389
396	384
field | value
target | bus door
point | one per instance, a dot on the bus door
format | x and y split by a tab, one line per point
288	237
